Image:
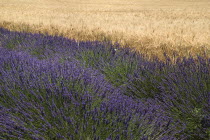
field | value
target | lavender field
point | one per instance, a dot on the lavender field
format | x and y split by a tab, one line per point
54	88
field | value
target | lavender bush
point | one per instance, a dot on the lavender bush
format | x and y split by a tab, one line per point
55	88
183	89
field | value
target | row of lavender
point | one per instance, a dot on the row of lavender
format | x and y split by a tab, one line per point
56	88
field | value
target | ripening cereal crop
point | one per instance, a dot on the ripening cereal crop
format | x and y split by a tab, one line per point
178	28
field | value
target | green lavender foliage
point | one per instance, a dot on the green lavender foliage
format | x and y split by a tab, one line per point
55	88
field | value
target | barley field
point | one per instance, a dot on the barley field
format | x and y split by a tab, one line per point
152	27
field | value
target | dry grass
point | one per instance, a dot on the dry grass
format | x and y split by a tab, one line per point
177	27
